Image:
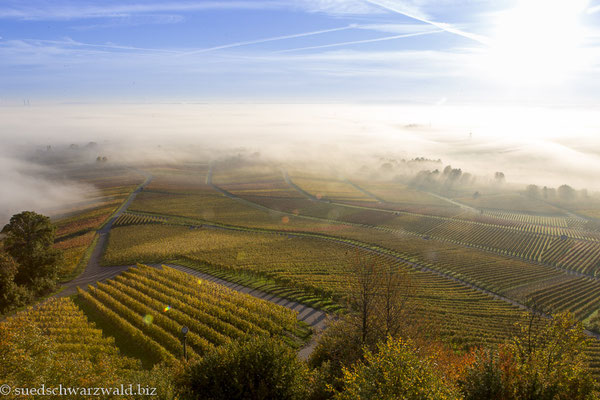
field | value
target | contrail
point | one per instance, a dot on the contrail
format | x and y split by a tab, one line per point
362	41
106	46
440	25
271	39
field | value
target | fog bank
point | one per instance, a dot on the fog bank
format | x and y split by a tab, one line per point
542	146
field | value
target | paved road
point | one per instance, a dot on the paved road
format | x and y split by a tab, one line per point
314	318
94	272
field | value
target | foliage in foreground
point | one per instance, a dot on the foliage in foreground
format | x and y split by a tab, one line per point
543	361
259	368
54	345
395	371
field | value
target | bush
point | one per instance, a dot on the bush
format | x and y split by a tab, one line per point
257	369
395	371
339	346
545	360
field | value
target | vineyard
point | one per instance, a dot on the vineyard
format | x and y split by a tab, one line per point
134	219
258	182
76	233
55	343
152	305
555	244
511	202
235	249
467	273
463	317
316	264
333	190
581	296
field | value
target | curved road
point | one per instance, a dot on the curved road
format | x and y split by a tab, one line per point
94	273
315	318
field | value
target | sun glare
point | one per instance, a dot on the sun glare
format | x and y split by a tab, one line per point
537	42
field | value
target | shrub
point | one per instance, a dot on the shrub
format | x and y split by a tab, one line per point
395	371
256	369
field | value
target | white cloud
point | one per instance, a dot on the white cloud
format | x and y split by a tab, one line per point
135	20
338	7
76	10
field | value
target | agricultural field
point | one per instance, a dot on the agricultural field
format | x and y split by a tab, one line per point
258	181
212	206
332	190
432	240
467	273
135	219
321	266
168	299
529	237
446	308
61	346
180	179
511	202
76	231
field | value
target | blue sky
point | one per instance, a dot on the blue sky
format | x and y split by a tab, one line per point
417	51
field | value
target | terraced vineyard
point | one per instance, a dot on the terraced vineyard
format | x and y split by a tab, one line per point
71	339
557	246
324	267
497	273
134	219
309	246
328	189
561	222
581	296
152	305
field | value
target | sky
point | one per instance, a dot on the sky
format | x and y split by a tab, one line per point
432	52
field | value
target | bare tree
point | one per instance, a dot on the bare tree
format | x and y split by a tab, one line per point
362	294
392	309
379	295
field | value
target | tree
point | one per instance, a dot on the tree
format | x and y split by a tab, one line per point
260	368
395	371
362	295
379	297
339	346
379	300
29	240
533	191
499	177
11	295
566	192
544	360
391	304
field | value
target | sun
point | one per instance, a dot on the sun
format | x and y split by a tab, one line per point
536	42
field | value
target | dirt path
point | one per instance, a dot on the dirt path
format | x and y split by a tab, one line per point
365	191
